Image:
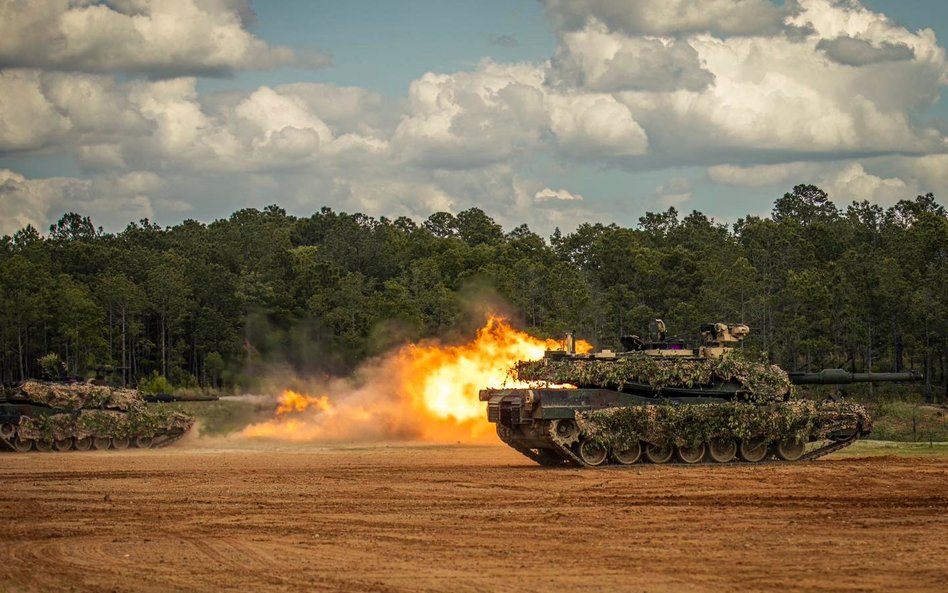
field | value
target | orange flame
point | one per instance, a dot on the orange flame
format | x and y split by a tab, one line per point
424	391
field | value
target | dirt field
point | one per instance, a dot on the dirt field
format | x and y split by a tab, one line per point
464	519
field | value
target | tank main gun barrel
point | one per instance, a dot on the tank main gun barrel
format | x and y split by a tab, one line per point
841	377
165	398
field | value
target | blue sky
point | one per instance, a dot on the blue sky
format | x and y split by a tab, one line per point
551	113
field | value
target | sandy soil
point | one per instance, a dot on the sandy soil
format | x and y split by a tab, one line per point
461	519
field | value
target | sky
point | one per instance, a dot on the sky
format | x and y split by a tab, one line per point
550	113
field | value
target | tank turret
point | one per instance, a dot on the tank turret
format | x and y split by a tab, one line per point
665	399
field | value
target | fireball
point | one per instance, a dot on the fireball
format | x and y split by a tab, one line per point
424	391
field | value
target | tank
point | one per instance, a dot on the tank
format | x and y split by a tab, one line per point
664	401
79	415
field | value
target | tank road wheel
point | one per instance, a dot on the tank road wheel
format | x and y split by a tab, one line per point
753	450
101	443
566	431
143	442
659	453
65	444
628	455
43	445
120	442
592	452
22	445
7	430
790	450
691	454
83	444
722	450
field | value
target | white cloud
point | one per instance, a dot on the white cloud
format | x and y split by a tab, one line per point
471	119
852	183
595	126
547	194
735	86
158	37
110	201
779	97
845	181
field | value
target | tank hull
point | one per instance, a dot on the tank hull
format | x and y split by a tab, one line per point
592	426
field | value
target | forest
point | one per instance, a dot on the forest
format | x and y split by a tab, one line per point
208	305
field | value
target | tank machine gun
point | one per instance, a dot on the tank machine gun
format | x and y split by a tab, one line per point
663	398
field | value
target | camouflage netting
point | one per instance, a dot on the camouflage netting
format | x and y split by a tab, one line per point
138	422
761	381
77	396
801	421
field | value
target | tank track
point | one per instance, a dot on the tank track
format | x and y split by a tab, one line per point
12	443
559	449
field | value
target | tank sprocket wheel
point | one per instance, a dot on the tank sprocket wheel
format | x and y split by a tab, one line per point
592	452
627	455
753	450
659	453
143	442
43	445
101	443
722	450
22	445
565	431
790	449
690	454
83	444
63	445
120	442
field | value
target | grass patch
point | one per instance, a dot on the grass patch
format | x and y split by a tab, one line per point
871	448
909	421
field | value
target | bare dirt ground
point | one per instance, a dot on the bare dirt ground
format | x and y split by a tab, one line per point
465	518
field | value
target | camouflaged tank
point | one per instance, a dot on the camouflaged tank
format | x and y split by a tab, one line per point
63	416
662	401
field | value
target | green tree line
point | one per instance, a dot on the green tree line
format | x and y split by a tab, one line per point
211	304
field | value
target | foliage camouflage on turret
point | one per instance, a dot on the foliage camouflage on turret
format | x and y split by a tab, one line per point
77	396
685	425
137	422
762	382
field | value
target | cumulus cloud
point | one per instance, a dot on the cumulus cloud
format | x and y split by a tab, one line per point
41	110
845	181
599	60
110	201
470	119
859	52
155	37
779	98
639	86
668	17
